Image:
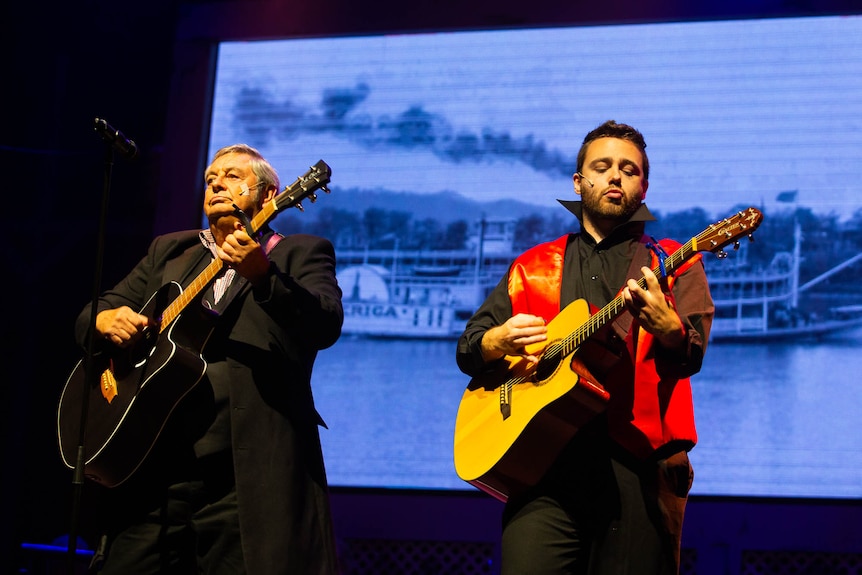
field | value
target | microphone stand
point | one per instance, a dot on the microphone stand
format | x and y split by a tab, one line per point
90	377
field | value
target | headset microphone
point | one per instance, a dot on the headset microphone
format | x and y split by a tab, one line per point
589	181
245	188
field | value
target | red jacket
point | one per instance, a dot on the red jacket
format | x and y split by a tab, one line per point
646	410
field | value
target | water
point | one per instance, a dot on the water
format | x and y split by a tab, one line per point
778	419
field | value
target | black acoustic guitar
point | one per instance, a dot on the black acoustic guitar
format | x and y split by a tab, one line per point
138	388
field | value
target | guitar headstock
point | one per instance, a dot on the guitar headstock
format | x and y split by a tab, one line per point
305	186
727	231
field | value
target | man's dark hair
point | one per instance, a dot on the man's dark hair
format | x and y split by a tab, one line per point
611	129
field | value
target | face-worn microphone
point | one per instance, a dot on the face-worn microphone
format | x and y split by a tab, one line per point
583	177
245	188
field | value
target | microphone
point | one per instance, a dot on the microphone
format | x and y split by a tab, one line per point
245	188
122	144
589	181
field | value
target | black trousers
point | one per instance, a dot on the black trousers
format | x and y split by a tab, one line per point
173	519
189	534
599	511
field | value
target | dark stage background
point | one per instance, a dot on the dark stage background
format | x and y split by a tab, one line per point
144	67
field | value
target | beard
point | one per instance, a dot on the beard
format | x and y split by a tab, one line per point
598	208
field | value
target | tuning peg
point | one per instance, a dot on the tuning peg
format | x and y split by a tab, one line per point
325	189
312	197
299	207
735	246
721	254
751	238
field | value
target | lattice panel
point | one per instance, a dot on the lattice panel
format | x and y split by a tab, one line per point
800	563
389	557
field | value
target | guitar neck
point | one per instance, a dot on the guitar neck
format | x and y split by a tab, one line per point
190	293
172	311
268	212
616	306
211	271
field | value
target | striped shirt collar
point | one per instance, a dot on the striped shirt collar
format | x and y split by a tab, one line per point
208	240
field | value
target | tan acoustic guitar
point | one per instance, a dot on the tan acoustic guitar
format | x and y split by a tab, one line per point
514	421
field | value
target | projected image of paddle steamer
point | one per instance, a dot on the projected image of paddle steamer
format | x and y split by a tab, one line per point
771	303
431	294
422	294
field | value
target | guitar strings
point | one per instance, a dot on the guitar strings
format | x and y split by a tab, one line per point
572	341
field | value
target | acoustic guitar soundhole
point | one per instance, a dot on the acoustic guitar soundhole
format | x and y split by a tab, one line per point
549	363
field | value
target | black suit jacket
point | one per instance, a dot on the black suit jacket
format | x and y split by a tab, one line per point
262	350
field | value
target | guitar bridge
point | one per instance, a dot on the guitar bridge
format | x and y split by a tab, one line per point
506	400
108	385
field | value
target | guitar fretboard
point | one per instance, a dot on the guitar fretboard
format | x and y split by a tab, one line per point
190	293
616	306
